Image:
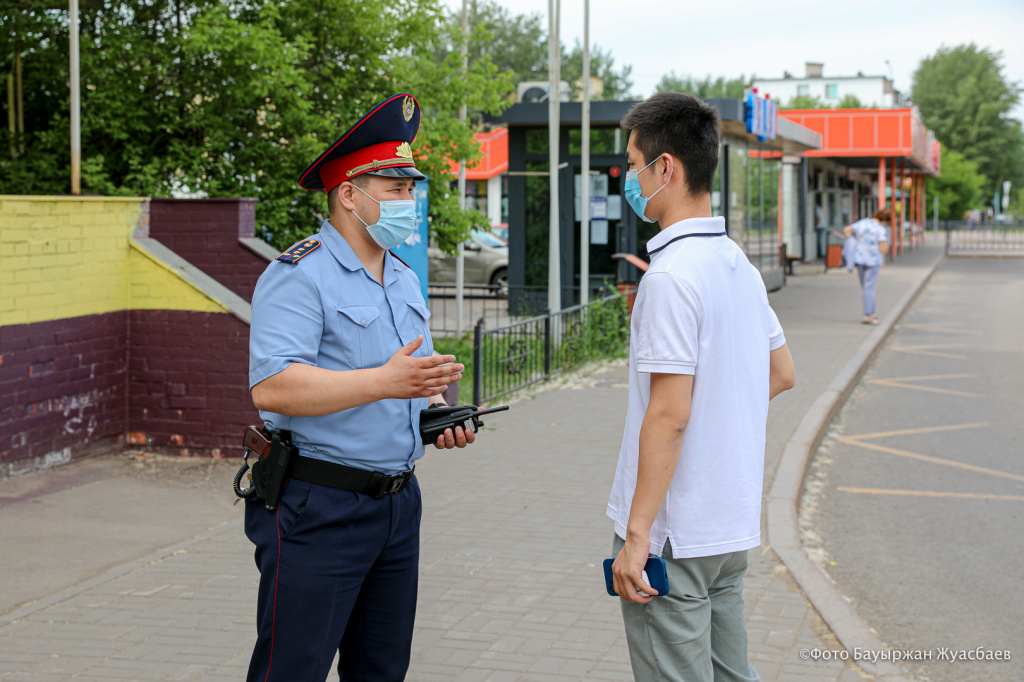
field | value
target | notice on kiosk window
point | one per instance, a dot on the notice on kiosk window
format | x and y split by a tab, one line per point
599	232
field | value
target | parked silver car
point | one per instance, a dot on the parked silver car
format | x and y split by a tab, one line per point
486	262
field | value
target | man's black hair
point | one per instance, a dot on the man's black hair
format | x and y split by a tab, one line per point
361	181
683	126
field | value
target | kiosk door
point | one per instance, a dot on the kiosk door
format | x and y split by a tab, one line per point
612	223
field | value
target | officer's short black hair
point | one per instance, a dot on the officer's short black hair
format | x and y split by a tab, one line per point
683	126
361	181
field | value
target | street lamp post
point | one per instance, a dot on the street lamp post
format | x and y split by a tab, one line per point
554	103
585	162
76	105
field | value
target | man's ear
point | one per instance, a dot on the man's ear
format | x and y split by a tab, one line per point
675	166
344	197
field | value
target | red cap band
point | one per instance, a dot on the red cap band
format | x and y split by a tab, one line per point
384	155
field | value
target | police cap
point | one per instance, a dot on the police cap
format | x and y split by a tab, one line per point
378	144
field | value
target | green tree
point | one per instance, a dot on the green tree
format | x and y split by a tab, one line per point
617	83
705	88
517	45
207	98
959	188
966	100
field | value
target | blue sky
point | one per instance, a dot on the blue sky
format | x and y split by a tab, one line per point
733	37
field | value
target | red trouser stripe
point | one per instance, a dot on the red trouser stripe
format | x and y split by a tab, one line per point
277	573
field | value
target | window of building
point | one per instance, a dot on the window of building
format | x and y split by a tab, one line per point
803	90
831	91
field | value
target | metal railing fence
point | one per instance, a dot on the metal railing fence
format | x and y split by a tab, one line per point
527	352
496	305
963	238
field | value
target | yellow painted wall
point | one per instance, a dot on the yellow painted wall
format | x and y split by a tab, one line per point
66	257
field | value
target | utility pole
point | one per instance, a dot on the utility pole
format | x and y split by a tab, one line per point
554	111
585	171
76	105
460	260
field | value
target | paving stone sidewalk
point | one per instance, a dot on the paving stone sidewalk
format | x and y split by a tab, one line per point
514	534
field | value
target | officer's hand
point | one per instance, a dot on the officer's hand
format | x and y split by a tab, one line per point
407	377
460	439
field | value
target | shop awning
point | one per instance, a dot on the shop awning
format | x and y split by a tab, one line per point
494	146
791	136
860	137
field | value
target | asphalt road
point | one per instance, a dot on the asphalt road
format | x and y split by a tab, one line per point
915	501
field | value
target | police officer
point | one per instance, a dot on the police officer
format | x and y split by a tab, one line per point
341	360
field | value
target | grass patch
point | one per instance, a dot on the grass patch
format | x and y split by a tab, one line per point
462	349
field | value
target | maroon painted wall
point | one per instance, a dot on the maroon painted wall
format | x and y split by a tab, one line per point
188	381
62	385
205	232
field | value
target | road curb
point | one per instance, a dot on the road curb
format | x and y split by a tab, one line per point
784	498
105	577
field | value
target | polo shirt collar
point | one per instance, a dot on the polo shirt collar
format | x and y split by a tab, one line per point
709	225
344	254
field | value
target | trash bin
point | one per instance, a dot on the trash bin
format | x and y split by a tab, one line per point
834	256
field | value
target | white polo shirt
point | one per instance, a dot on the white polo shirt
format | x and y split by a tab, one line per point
702	309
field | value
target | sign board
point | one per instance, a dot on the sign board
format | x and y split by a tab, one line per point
414	249
762	117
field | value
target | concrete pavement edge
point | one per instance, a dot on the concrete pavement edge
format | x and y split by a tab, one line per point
28	609
787	487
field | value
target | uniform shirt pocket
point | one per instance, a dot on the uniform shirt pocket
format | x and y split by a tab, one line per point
362	343
417	314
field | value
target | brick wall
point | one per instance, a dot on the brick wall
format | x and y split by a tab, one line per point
62	389
188	379
205	232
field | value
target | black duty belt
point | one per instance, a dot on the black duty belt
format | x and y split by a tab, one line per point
348	478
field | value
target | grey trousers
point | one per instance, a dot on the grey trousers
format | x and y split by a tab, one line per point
697	632
868	278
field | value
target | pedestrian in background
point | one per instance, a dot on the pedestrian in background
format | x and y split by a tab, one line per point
707	353
872	245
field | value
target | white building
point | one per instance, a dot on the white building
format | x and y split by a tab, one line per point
874	92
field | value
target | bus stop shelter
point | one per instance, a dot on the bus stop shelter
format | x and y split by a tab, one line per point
747	192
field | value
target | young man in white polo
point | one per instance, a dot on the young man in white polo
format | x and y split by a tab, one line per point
707	353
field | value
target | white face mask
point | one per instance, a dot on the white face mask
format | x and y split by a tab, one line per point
396	223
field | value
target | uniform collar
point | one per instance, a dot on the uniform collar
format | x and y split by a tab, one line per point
344	254
707	225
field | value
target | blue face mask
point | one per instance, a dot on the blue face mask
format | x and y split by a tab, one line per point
634	195
396	223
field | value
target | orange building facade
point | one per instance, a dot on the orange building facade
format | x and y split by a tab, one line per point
869	159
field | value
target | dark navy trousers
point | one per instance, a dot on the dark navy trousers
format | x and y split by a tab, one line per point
338	573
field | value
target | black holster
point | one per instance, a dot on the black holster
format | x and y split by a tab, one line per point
270	473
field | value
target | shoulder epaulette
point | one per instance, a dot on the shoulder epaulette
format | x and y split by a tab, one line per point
299	250
399	259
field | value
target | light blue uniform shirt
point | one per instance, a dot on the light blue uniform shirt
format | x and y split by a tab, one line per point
328	311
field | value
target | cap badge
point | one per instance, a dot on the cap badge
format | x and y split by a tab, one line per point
404	150
408	108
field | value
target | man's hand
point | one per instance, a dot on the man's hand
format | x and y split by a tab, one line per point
628	568
460	439
406	377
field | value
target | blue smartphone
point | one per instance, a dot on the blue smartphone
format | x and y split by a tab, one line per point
655	575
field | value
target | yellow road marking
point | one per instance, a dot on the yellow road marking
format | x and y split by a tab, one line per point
944	311
900	382
929	493
926	349
927	458
930	389
943	329
928	377
913	432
